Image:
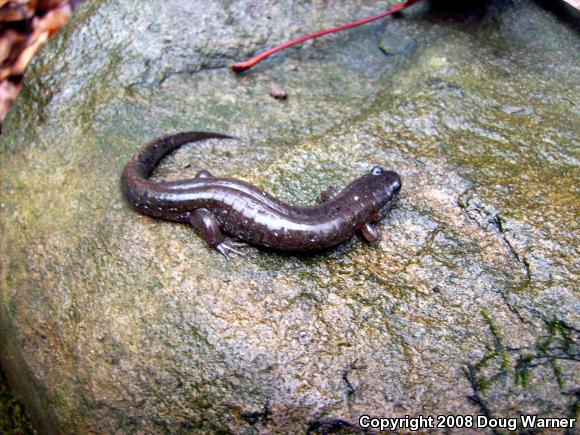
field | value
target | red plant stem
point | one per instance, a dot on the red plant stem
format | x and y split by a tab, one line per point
243	66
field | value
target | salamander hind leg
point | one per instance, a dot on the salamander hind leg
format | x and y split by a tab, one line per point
229	246
208	226
370	232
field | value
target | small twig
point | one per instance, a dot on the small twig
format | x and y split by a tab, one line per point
243	66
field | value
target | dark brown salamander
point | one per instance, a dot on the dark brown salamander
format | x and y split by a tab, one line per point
217	206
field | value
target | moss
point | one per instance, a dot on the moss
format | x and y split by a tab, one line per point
549	351
64	402
499	350
13	417
483	384
522	371
557	373
559	330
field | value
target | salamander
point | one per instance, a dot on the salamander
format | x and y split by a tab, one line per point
229	213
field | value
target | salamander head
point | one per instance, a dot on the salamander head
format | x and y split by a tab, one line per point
384	187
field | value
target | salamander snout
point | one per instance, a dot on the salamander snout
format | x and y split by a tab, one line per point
389	179
396	182
384	186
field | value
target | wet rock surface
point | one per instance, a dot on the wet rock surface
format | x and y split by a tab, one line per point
111	320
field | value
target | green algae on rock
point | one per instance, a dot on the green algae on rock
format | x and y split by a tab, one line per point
112	321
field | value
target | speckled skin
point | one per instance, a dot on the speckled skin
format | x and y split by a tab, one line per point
220	207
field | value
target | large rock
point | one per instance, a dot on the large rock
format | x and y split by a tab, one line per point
111	320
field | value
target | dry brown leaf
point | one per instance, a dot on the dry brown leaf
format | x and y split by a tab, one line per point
46	5
17	10
53	20
8	92
34	21
11	44
20	65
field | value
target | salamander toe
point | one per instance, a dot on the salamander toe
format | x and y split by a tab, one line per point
229	246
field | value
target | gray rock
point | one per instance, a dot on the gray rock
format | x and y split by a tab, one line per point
115	322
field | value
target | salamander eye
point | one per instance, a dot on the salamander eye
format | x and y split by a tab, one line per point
377	170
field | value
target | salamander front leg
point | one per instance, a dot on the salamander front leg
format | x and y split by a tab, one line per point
229	246
207	225
328	194
370	232
204	173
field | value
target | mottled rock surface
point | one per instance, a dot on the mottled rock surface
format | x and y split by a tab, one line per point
111	320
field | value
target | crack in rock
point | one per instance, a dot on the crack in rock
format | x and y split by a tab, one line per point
350	389
332	425
258	416
488	218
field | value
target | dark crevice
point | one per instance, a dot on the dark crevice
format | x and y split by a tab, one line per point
497	222
385	52
189	72
350	389
574	409
258	416
331	426
476	398
512	309
560	343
